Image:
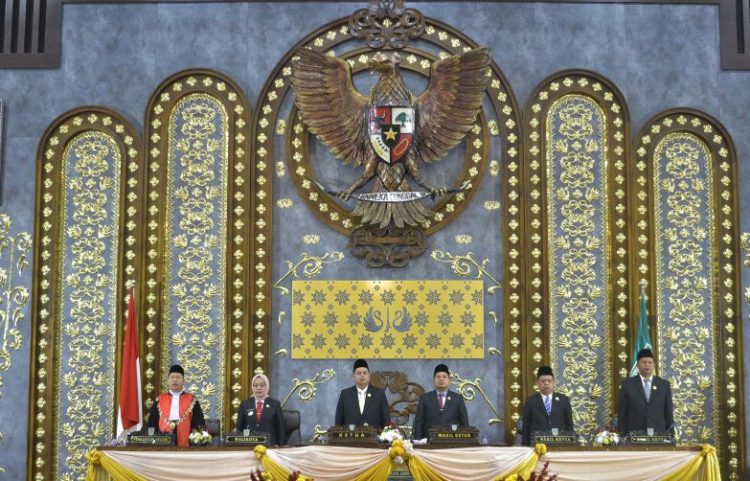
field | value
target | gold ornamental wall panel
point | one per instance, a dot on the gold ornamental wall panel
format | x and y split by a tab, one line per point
577	128
388	319
687	202
275	129
196	235
89	190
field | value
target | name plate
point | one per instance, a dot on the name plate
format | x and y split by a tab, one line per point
242	440
453	436
554	439
154	440
358	435
658	439
468	436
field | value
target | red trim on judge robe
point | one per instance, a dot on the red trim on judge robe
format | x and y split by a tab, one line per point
183	429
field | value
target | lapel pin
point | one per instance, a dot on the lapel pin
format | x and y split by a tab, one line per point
369	395
268	405
557	398
653	387
449	398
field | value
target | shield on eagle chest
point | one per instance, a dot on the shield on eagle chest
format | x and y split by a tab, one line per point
391	131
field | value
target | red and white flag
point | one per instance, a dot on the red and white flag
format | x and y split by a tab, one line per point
130	413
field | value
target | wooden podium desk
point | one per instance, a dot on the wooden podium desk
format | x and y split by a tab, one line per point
337	463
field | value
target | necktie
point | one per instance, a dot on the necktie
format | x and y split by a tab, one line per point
361	401
441	402
547	405
258	410
647	388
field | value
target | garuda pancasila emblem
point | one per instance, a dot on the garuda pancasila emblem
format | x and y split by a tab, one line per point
391	131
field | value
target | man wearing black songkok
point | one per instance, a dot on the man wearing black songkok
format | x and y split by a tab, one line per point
176	410
362	404
546	409
645	400
439	407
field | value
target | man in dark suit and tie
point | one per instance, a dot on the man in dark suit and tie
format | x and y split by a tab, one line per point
645	400
546	409
362	404
440	407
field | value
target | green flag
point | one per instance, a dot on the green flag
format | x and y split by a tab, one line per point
642	338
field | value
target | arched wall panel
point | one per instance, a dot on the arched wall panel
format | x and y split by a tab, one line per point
196	231
89	172
577	127
438	40
686	206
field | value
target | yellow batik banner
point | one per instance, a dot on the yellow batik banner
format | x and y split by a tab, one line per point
387	319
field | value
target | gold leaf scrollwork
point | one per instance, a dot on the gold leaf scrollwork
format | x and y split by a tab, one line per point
13	298
88	300
464	266
319	432
577	192
198	165
311	266
683	204
468	390
306	389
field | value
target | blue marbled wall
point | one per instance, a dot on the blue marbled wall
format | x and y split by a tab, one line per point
115	55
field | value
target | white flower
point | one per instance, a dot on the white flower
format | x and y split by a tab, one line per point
390	434
409	448
200	437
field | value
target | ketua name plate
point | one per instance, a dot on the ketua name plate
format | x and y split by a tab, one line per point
245	440
352	435
153	440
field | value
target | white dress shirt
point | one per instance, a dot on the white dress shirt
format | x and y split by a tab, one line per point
361	395
174	409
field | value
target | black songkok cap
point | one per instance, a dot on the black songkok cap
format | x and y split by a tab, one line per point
645	353
544	371
360	363
441	368
178	369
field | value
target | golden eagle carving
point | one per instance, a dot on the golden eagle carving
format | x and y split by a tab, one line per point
391	131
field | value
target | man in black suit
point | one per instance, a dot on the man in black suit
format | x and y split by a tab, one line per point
362	404
645	400
439	407
546	409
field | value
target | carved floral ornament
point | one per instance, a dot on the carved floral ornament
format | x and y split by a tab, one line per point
251	206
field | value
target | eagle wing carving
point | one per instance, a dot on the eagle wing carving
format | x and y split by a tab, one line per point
449	106
330	106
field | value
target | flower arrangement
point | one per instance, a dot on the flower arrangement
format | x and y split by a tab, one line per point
199	438
390	433
259	475
607	437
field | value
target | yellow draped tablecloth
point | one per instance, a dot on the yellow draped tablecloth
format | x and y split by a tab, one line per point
335	463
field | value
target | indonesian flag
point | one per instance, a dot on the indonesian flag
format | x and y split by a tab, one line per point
130	413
